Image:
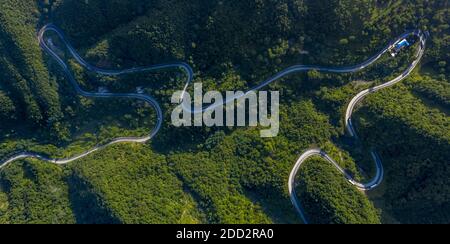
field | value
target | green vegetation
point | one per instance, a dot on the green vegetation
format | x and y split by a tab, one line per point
22	66
432	89
328	198
222	175
414	140
136	186
34	192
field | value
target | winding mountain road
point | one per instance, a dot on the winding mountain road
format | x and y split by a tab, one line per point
189	79
376	181
148	99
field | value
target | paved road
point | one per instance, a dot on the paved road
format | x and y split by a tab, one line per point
376	181
189	79
304	68
146	98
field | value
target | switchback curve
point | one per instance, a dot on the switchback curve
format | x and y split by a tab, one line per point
190	75
377	180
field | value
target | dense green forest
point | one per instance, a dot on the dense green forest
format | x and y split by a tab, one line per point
332	202
223	175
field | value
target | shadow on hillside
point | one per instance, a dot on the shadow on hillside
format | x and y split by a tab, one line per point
87	206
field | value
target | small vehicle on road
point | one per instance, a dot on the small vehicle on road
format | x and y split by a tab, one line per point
140	90
103	89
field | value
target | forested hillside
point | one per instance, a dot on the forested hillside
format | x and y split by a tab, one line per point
24	75
223	175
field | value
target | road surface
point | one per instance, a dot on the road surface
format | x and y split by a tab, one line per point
377	180
189	79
